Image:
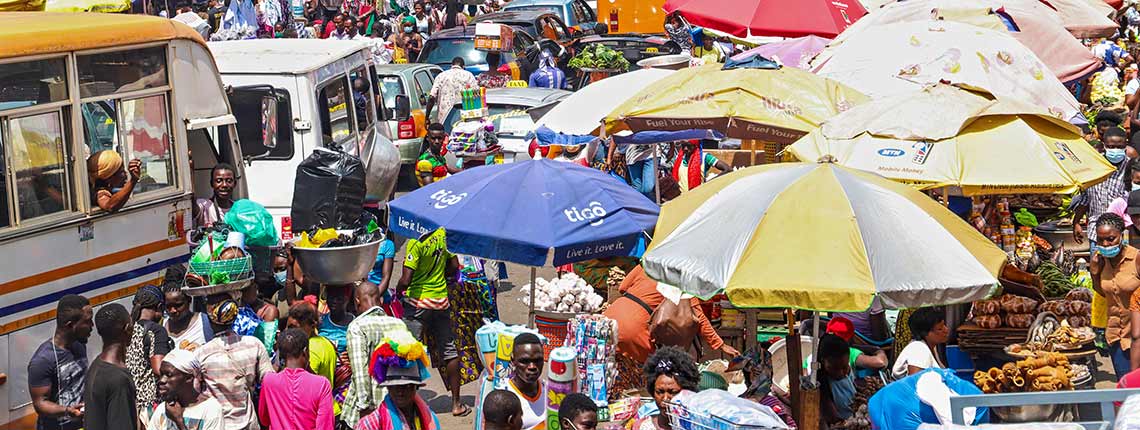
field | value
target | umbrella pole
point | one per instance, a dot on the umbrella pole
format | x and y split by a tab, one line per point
533	272
795	363
809	395
656	185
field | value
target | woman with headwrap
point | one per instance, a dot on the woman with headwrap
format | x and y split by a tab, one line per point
112	186
408	39
149	344
182	397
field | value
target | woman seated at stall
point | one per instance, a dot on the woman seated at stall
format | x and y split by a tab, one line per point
667	372
928	330
112	186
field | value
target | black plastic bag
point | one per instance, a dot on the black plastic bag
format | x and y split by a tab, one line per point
329	191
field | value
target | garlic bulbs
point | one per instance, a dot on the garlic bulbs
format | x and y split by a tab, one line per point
568	294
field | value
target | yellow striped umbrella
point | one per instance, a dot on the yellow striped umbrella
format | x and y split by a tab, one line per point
944	136
819	236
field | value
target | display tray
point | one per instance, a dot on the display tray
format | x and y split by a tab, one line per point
1067	353
970	336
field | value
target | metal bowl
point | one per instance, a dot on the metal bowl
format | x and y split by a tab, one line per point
668	62
337	266
1025	413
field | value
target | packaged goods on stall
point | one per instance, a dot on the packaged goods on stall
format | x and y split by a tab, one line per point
716	409
494	37
328	192
594	339
1043	371
472	137
570	293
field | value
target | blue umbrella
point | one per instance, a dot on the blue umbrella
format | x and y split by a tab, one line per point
518	212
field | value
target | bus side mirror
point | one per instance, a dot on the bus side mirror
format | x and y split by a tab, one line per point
403	108
269	122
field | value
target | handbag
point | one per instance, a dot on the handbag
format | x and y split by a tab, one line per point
673	324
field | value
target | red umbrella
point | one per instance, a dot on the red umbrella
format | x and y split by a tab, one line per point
773	18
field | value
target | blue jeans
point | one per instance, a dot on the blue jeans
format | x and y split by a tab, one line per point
643	178
1121	361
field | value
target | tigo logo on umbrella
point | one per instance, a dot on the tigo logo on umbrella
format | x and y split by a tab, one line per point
588	213
444	198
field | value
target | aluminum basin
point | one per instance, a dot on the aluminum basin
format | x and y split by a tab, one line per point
337	266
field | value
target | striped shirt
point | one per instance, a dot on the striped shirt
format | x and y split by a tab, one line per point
364	335
232	367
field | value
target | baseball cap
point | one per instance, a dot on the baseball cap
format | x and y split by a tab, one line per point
841	327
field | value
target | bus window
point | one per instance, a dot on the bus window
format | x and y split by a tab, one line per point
32	83
121	71
100	127
39	164
146	136
5	217
336	117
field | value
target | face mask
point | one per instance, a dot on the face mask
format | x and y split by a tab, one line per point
1135	187
1114	155
1108	251
407	29
427	7
280	277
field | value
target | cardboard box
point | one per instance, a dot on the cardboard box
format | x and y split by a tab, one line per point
738	158
494	37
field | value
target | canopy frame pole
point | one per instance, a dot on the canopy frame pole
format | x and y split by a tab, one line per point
795	362
533	273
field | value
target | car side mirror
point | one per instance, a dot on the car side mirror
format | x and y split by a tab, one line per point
403	108
269	122
601	29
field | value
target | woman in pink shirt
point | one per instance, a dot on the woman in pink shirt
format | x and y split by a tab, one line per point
294	399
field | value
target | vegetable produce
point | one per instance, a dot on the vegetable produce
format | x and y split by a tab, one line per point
864	389
570	293
1056	283
599	56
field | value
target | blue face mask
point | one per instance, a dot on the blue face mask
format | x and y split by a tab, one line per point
408	29
1114	155
1108	251
280	277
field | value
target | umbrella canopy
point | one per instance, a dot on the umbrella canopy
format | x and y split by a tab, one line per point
796	52
751	18
1084	18
1031	22
820	237
770	105
932	51
519	211
583	111
944	136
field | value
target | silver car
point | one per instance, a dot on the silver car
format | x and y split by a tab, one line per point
412	81
508	109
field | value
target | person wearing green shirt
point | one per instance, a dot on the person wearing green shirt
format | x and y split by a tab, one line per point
428	267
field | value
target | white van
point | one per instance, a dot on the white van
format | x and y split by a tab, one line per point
307	85
73	85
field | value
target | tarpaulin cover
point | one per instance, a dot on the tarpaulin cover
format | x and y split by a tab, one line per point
922	398
328	191
519	211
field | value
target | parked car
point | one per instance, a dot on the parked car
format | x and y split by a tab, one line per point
507	108
539	24
413	80
575	13
445	45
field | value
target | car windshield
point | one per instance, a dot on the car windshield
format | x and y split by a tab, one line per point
507	118
391	86
554	9
442	51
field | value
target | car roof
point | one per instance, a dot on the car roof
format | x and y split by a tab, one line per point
509	16
523	3
391	69
295	56
529	97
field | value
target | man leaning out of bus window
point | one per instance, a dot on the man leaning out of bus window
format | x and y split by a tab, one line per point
112	186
